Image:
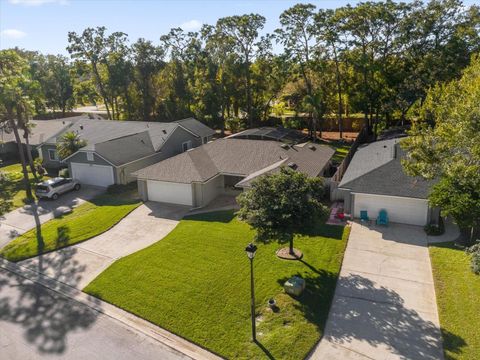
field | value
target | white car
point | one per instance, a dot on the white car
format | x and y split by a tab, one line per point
53	188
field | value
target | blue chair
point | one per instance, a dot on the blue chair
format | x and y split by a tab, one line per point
382	217
364	216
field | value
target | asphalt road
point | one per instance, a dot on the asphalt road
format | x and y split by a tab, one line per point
38	323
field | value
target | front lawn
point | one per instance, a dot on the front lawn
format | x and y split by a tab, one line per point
86	221
196	283
458	299
13	190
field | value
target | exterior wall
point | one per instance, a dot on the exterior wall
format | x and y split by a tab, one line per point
204	193
173	146
142	189
51	164
81	158
123	173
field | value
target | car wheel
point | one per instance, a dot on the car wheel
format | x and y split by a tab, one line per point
77	187
54	196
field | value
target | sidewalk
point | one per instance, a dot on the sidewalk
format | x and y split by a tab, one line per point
126	319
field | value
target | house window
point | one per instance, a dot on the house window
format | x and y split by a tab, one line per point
186	145
52	155
89	156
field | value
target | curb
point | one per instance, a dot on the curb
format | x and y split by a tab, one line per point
163	336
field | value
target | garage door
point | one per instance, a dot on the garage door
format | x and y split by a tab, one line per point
99	175
169	192
399	209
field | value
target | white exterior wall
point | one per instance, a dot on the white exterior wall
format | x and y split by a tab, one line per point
211	189
170	192
399	209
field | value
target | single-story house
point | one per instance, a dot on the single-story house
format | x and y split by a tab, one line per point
40	131
115	149
225	166
290	136
375	180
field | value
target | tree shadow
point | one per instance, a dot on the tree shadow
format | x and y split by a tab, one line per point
364	311
267	353
45	316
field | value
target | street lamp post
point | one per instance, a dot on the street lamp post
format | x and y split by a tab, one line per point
251	249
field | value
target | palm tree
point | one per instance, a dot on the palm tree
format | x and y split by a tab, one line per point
316	105
69	143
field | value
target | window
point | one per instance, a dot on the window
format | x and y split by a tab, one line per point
52	154
186	145
89	156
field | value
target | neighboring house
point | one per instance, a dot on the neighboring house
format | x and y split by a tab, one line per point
115	149
375	180
290	136
225	166
41	130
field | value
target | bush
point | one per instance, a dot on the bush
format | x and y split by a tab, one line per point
120	188
64	173
435	230
475	260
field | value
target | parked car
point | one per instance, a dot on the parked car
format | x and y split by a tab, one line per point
53	188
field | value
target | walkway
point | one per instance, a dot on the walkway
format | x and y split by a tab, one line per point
384	305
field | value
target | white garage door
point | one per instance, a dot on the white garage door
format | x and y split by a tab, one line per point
169	192
399	209
99	175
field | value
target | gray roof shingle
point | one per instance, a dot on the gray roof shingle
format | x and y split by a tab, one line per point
377	169
196	127
41	131
236	157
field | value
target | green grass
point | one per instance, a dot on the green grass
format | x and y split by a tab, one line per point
458	299
195	282
13	190
86	221
341	150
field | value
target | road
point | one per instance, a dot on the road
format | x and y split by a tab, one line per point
38	323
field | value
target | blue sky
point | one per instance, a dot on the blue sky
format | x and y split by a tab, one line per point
43	24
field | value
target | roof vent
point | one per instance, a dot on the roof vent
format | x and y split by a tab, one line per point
312	147
292	165
81	127
284	146
63	122
164	131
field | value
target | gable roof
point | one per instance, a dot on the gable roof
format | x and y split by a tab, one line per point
196	127
272	133
239	157
377	169
40	132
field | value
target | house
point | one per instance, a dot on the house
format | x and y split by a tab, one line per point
290	136
225	166
115	149
375	180
40	131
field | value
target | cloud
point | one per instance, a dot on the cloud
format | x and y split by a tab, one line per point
13	33
191	25
37	2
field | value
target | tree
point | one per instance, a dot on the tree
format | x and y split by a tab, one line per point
444	144
280	205
15	103
69	144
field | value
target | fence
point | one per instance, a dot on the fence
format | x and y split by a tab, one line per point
337	177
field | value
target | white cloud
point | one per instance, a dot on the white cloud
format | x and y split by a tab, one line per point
191	25
37	2
13	33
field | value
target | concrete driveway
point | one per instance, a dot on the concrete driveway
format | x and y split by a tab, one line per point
384	305
27	217
78	265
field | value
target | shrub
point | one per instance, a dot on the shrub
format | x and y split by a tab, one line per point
475	260
435	230
64	173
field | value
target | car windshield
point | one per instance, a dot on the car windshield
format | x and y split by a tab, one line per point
42	187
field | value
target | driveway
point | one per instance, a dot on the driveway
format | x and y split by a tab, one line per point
36	322
27	217
78	265
384	305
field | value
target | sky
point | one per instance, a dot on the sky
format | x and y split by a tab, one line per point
43	25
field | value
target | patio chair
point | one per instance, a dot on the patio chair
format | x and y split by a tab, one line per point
382	217
364	216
